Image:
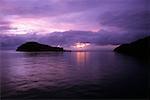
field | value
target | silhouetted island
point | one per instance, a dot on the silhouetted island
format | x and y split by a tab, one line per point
139	48
37	47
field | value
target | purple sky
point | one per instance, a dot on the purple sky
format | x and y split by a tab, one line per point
66	22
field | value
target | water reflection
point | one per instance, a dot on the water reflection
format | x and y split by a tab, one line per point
82	57
74	74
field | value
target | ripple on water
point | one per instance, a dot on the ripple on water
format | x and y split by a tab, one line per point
80	75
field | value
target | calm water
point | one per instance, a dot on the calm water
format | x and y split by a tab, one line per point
71	75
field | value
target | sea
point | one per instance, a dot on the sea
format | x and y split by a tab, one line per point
77	74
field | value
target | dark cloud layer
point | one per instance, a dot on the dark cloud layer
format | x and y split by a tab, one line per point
69	38
129	20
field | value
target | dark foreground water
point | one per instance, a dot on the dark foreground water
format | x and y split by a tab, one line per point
102	74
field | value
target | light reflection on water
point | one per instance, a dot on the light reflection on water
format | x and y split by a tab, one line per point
82	57
71	74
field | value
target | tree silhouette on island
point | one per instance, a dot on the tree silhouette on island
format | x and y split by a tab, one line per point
139	48
37	47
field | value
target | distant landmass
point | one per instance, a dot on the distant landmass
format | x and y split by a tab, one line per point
37	47
139	48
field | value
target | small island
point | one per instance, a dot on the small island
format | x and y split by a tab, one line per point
139	48
37	47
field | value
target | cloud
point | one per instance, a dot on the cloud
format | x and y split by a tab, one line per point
38	8
44	8
69	38
4	25
135	21
86	13
100	22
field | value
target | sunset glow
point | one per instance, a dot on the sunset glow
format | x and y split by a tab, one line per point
53	49
28	25
22	25
81	45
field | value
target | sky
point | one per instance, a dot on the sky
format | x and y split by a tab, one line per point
74	22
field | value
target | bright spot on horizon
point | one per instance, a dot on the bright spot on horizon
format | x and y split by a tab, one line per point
81	45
